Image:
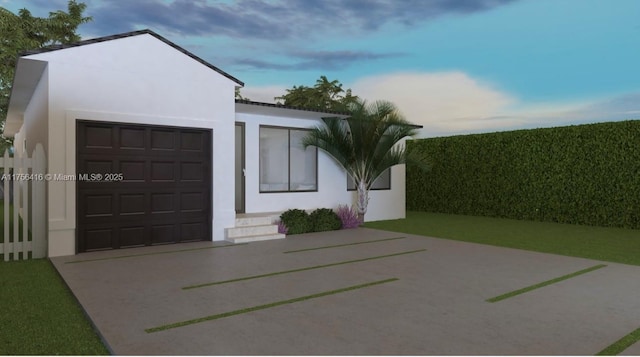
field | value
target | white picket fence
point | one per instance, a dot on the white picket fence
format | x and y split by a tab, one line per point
23	185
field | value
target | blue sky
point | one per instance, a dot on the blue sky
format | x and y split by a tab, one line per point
454	66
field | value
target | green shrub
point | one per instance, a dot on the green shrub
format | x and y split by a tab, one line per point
297	221
324	219
583	174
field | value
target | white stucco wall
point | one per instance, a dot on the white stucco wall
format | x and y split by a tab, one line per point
135	79
332	179
35	124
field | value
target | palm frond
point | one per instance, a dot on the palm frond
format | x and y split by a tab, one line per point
366	143
333	138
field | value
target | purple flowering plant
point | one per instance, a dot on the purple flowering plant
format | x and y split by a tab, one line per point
282	228
349	216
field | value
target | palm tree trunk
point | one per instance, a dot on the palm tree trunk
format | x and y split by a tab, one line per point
363	200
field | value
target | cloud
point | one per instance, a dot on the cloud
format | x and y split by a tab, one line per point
261	64
264	94
338	59
374	14
294	29
185	18
321	60
441	102
626	105
272	20
451	103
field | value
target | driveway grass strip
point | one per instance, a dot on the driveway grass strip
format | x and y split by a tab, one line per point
154	253
343	245
621	345
299	270
544	283
265	306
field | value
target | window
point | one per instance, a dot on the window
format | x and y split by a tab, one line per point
383	182
285	165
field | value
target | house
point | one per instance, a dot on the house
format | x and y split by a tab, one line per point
146	145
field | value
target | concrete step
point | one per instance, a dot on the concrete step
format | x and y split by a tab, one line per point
248	239
236	232
253	221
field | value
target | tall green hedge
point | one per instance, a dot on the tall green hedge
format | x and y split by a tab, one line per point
583	174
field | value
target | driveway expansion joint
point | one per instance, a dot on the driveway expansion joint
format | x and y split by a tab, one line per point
343	245
154	253
544	283
265	306
299	270
621	345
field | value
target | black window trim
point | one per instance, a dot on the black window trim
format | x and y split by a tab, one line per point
372	189
288	128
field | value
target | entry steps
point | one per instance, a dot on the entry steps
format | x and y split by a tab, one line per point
253	228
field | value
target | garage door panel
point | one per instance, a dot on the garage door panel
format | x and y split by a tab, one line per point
132	138
163	233
165	194
192	171
98	167
133	204
99	205
191	202
163	203
163	140
192	141
192	231
131	171
163	171
98	238
132	236
98	136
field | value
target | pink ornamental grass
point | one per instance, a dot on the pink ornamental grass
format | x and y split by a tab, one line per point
282	228
348	216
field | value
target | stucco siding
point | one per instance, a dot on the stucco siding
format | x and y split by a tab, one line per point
132	80
143	80
332	179
35	124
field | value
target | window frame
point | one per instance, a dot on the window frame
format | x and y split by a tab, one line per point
289	190
349	179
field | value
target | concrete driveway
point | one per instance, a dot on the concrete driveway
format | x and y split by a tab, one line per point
384	293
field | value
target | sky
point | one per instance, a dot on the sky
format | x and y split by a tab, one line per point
452	66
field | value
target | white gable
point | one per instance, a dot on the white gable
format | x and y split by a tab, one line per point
131	73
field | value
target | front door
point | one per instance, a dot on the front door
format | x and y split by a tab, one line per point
239	171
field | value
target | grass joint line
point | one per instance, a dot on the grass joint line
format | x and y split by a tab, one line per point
265	306
621	345
343	245
154	253
544	283
299	270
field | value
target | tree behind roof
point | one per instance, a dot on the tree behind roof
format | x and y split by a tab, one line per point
21	32
324	95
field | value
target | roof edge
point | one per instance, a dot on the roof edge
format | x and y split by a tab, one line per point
131	34
281	106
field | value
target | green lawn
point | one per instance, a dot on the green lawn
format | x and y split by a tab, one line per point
608	244
39	315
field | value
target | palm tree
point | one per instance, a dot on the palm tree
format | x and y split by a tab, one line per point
365	144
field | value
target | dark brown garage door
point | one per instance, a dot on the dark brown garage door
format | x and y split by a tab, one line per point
142	185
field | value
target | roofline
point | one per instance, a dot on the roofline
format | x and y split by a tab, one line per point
272	105
131	34
281	106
